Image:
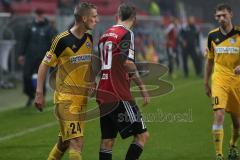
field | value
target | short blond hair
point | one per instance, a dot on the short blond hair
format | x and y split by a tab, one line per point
82	9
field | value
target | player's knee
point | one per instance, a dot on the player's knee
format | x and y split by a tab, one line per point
76	143
219	116
107	144
63	145
142	138
236	125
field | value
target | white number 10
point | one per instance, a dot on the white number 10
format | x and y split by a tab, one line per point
106	54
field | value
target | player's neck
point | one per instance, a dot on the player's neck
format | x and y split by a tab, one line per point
227	29
78	30
127	24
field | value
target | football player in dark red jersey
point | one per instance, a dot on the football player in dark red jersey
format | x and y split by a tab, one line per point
119	112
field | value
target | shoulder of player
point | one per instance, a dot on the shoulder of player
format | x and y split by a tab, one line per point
213	31
123	30
61	36
58	40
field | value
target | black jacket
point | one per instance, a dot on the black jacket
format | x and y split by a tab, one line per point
36	40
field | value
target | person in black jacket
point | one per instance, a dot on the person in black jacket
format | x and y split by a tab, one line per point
35	43
190	44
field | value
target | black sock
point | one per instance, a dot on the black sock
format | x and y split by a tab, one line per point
105	154
134	151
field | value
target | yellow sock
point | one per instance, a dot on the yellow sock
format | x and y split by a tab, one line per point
234	138
55	154
218	140
74	155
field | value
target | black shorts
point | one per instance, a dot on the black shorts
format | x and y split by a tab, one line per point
123	117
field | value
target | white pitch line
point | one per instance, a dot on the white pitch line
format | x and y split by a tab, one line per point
34	129
27	131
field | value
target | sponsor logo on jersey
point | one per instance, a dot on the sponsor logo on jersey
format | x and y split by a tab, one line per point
114	35
80	58
227	50
48	57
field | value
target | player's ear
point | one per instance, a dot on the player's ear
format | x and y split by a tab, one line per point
84	19
215	17
231	14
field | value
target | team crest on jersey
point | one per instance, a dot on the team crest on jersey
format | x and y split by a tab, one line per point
80	58
232	40
88	45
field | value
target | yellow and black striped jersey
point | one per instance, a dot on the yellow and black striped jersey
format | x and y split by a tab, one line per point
72	57
225	50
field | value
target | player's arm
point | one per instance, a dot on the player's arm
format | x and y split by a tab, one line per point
208	72
237	70
50	60
39	98
208	68
133	72
128	57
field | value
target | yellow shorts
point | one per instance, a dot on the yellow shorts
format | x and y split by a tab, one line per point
70	113
227	98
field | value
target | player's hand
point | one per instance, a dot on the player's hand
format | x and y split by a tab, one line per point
208	90
237	70
92	90
39	101
146	97
21	60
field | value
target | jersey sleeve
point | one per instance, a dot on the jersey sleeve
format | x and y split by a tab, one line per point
51	57
210	50
127	46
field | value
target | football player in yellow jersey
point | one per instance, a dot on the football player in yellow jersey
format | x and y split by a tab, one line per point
223	60
71	54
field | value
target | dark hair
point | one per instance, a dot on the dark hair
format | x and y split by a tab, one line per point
223	6
82	9
126	11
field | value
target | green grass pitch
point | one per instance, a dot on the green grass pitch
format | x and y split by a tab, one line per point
26	134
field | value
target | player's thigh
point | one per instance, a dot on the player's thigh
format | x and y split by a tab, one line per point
71	120
219	97
129	119
233	105
107	124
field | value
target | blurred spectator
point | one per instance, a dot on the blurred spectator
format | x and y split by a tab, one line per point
171	45
190	44
53	26
66	6
7	5
139	41
150	50
154	8
35	43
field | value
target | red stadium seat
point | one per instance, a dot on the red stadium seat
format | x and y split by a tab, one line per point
48	6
